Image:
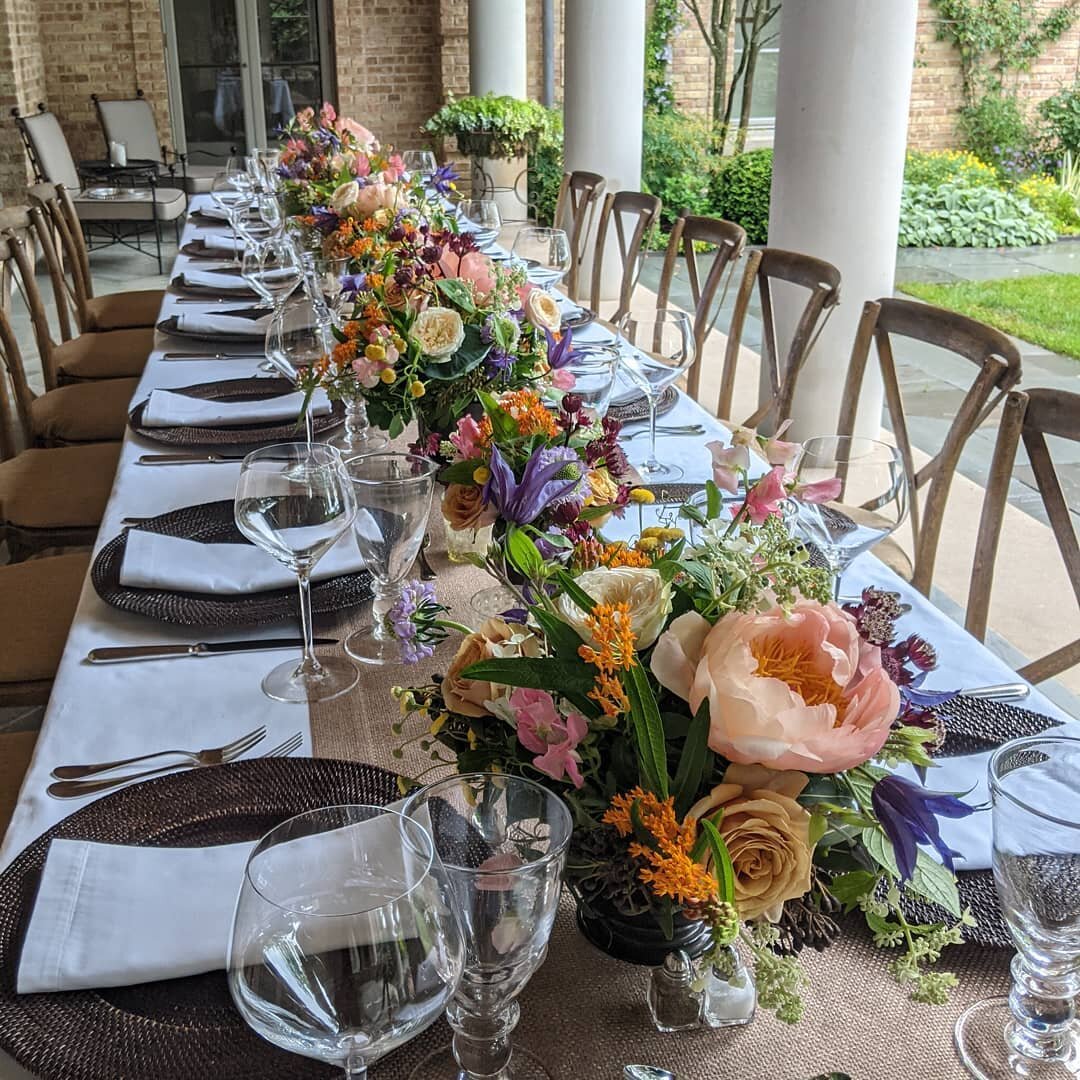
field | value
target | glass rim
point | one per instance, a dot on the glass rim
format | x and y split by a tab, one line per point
430	467
1028	742
383	811
428	789
265	453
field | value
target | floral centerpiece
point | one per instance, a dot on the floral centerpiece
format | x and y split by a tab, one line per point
721	730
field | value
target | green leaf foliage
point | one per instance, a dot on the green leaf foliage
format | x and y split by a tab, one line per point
742	193
722	868
695	762
648	731
536	673
468	357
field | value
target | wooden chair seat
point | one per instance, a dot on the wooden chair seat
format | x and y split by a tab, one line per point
123	310
84	413
56	497
16	753
112	354
38	599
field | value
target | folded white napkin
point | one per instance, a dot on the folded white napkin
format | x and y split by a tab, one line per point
212	210
207	322
166	408
223	242
155	561
204	279
110	915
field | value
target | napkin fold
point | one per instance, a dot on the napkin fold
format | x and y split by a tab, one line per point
223	242
167	408
156	561
207	322
205	279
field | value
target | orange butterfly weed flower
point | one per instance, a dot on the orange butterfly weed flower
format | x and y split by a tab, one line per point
613	632
530	413
619	554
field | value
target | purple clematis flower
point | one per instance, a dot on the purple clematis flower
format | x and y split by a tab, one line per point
351	284
442	180
907	814
326	221
561	352
549	476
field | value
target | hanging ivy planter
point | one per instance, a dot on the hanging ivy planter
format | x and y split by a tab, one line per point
491	126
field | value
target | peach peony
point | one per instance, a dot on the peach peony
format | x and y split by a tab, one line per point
799	691
378	196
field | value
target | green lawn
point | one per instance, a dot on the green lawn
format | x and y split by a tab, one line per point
1043	309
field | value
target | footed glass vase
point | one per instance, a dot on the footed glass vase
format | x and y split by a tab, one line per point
357	436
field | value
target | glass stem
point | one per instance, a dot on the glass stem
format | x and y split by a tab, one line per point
309	426
356	420
385	596
652	462
310	664
482	1045
1042	1004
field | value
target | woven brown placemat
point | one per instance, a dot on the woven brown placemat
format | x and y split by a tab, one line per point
638	408
213	523
253	389
172	326
181	288
199	249
178	1029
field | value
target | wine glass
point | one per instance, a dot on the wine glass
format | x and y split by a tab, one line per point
419	163
225	197
393	496
545	251
658	349
268	161
253	228
343	945
252	264
594	370
485	217
500	844
872	502
278	271
297	336
293	501
326	273
236	171
1033	1033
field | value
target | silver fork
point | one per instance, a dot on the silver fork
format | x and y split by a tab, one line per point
71	786
667	429
293	742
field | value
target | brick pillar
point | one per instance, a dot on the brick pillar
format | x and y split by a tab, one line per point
22	86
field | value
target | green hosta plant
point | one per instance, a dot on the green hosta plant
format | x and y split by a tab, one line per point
950	215
491	126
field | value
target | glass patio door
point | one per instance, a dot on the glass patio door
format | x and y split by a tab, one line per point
240	69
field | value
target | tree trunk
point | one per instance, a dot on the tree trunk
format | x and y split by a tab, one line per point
751	51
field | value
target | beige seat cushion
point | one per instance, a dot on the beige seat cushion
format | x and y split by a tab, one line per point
16	751
62	488
118	311
171	203
86	412
111	354
38	600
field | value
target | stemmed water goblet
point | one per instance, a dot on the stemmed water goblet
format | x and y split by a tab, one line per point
594	369
1033	1033
500	845
343	945
294	502
268	161
236	171
230	202
419	163
656	350
546	251
393	498
272	271
871	504
485	215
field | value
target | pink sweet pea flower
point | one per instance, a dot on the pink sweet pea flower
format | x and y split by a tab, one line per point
821	491
782	453
726	463
542	730
362	165
493	876
764	498
394	169
466	440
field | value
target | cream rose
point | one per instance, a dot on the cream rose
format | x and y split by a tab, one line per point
767	834
644	590
542	311
344	198
439	332
494	639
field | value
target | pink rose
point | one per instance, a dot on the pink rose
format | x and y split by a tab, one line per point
563	379
799	691
542	730
727	462
364	137
466	439
474	266
764	498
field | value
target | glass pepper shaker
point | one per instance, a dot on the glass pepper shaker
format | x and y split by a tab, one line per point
674	1003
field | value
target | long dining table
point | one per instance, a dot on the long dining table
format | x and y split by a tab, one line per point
583	1014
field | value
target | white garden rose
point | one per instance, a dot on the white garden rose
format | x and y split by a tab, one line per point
542	311
345	195
439	332
644	590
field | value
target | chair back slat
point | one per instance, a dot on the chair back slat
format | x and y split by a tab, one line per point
48	148
623	206
130	121
995	364
1029	416
726	241
17	395
55	214
579	194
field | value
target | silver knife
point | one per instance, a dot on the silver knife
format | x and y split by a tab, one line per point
190	459
1001	692
120	653
209	356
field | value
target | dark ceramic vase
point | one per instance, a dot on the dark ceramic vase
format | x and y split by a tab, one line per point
638	939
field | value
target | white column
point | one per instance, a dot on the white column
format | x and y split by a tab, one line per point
841	131
603	87
498	65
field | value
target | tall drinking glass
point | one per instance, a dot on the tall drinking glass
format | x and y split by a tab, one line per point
343	945
500	843
419	163
236	170
393	498
658	348
1033	1033
873	499
293	501
547	251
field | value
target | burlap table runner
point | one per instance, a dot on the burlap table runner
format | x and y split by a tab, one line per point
584	1014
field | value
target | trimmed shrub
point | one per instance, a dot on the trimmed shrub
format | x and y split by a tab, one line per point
742	193
1062	115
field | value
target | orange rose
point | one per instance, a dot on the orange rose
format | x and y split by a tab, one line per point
463	507
495	638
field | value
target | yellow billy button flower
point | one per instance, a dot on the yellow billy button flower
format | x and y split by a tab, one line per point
481	475
375	352
647	543
642	496
417	389
387	375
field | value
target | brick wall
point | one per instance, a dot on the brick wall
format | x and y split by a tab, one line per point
22	85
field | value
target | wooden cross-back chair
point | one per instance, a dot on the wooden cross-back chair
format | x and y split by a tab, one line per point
623	207
726	241
764	268
1029	416
995	370
579	193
